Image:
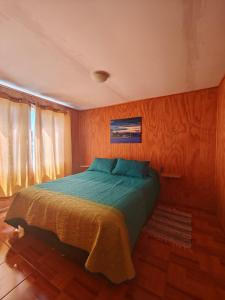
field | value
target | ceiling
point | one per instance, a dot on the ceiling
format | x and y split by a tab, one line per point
150	47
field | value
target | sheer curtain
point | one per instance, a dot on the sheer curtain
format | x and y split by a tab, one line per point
15	160
52	144
32	149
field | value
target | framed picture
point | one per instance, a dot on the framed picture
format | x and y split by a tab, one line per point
125	130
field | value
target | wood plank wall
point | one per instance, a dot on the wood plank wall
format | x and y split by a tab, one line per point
220	153
178	136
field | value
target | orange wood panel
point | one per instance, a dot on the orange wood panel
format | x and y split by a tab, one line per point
178	136
220	153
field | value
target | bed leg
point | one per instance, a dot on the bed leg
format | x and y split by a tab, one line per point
19	232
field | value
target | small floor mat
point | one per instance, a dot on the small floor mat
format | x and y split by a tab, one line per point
171	225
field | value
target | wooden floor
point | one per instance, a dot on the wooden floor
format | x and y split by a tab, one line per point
31	269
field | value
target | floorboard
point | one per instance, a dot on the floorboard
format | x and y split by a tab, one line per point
32	269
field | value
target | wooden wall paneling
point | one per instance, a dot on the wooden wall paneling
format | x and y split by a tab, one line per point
220	154
178	135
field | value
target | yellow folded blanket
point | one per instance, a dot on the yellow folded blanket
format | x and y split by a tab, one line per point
96	228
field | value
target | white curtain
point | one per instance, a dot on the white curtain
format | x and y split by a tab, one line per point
15	163
32	153
52	145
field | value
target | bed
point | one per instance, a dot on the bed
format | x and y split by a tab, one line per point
98	212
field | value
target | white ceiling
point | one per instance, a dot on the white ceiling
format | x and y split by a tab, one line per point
150	47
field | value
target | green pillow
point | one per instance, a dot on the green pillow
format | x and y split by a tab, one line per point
102	165
133	168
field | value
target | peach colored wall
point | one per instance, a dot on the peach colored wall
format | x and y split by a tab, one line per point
178	134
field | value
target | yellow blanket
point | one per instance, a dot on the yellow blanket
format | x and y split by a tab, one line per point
96	228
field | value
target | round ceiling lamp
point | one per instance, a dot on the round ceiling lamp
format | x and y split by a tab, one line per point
100	76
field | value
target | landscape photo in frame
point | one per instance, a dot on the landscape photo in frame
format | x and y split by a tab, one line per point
125	130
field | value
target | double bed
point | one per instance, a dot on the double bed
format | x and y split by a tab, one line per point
101	213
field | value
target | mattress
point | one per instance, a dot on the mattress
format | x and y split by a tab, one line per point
95	211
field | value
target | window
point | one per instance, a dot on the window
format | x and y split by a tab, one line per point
35	145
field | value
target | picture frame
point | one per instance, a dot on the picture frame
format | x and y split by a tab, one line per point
127	130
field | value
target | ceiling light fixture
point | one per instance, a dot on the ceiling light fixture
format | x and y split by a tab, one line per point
100	76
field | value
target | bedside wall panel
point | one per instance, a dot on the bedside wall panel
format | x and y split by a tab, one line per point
178	136
220	154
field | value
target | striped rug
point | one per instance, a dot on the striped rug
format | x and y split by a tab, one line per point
170	225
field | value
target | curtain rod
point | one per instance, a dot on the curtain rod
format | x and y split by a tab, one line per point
35	102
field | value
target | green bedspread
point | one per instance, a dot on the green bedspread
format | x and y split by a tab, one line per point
133	197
